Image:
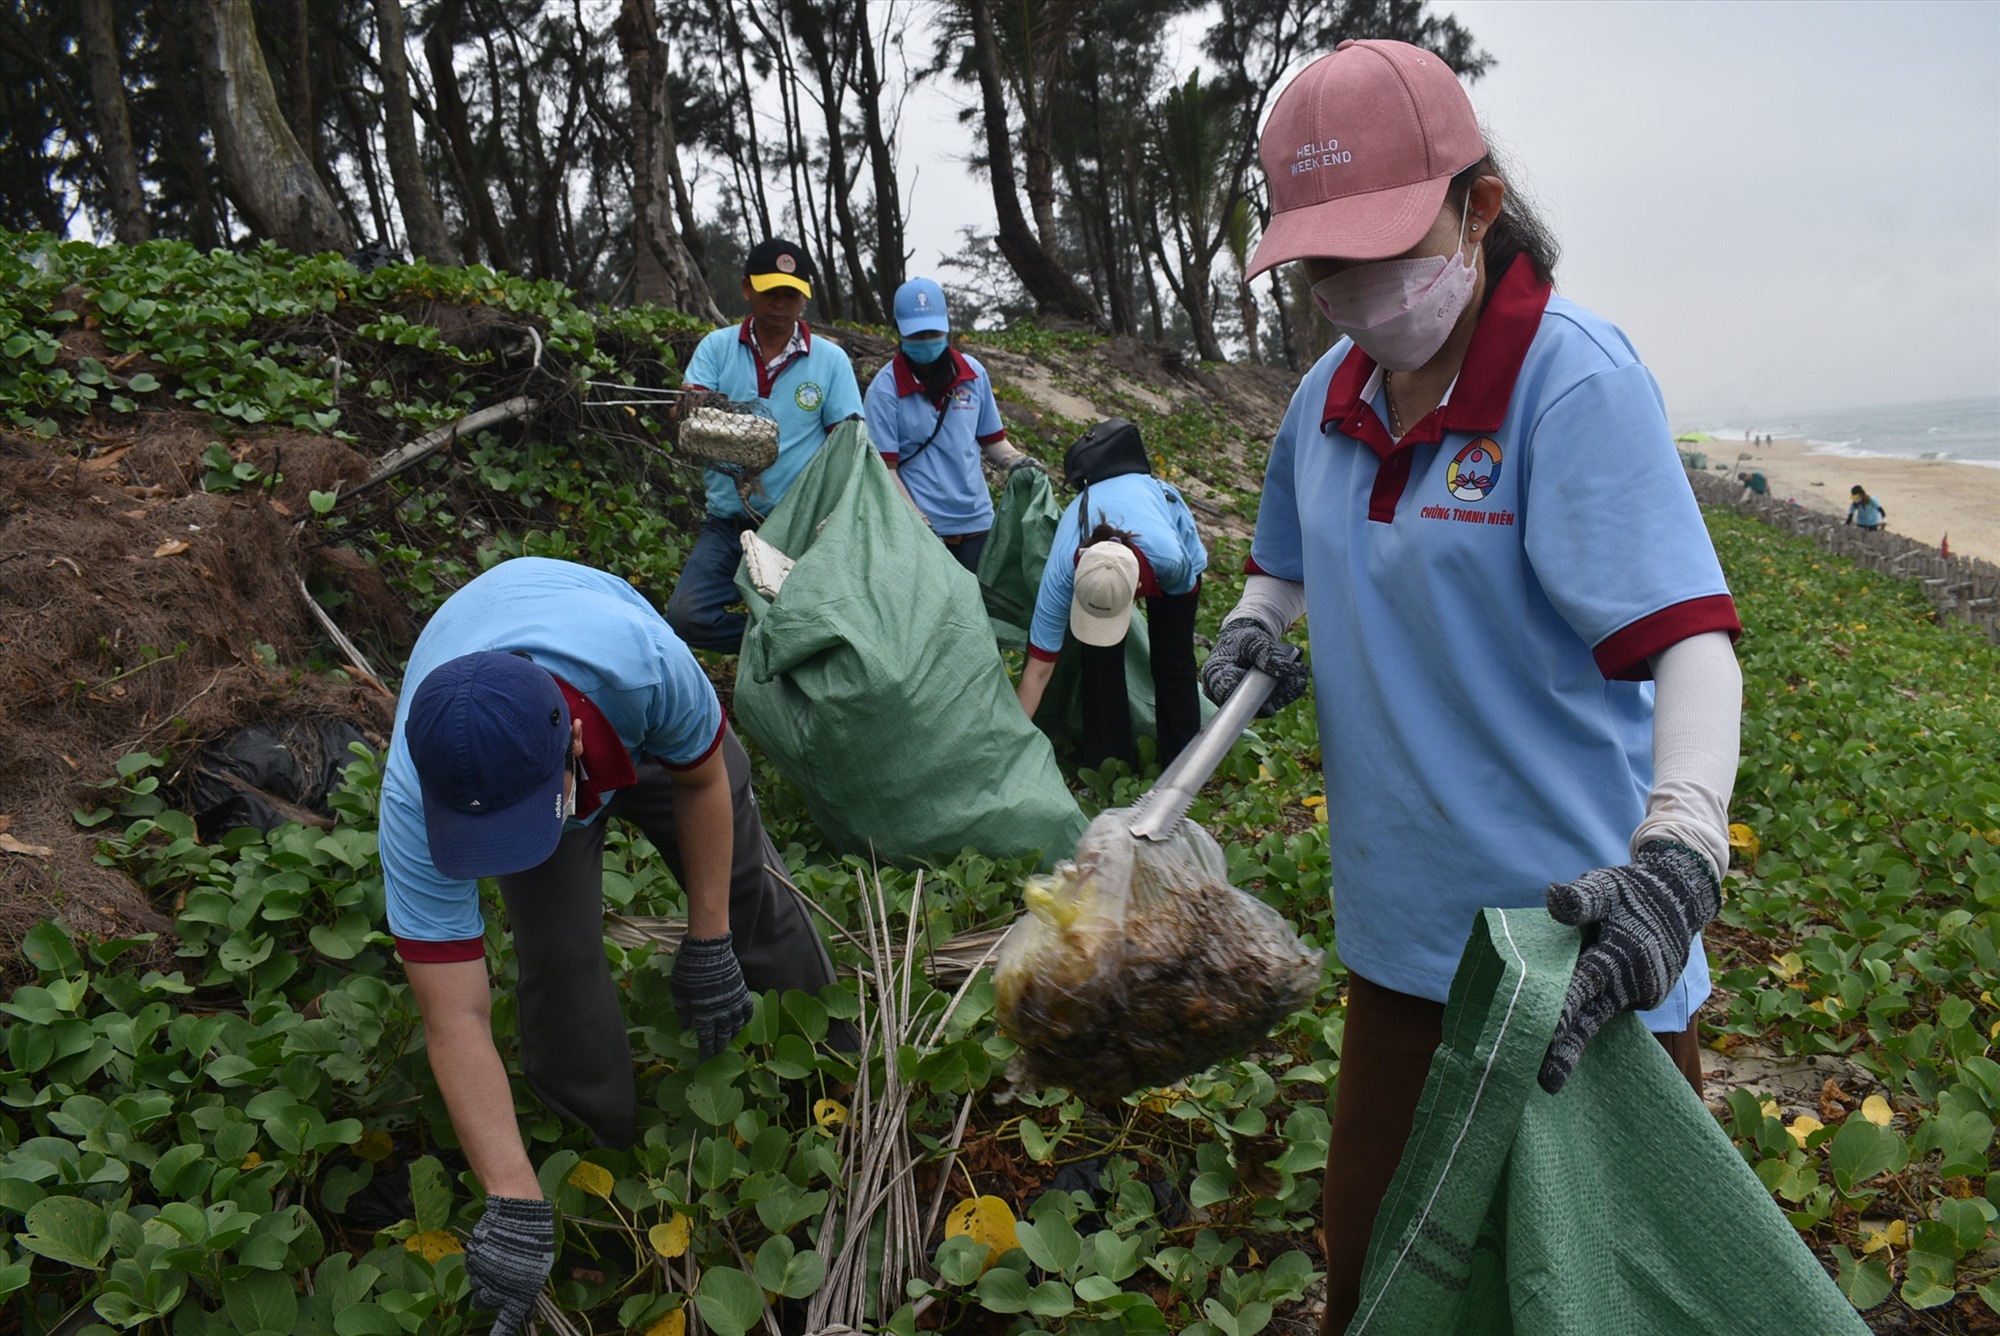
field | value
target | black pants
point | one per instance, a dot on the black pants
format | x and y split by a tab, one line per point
574	1049
1107	710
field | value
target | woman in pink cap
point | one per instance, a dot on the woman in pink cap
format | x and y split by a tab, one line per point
1521	640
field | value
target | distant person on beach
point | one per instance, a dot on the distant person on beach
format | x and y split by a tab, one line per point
932	415
1863	510
1753	485
809	386
1591	724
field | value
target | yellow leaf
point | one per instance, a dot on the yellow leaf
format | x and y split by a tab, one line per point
593	1178
1876	1110
433	1244
830	1114
988	1220
1769	1108
252	1160
671	1238
1742	837
1896	1235
173	547
1804	1126
673	1324
1787	965
374	1147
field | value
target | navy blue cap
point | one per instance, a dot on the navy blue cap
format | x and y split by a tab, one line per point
490	736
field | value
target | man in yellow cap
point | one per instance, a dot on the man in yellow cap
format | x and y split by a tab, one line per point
809	386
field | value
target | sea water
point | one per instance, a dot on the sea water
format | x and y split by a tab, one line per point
1964	430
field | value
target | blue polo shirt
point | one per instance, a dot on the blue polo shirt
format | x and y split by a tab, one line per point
1482	598
944	477
625	673
812	392
1171	557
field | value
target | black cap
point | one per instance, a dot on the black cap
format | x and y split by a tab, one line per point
779	264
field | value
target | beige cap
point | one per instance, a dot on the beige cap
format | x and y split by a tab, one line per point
1107	578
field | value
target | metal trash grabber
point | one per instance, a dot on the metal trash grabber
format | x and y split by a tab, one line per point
1162	807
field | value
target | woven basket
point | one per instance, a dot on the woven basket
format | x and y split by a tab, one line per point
746	440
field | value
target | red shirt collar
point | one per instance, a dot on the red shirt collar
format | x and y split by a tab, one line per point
607	766
1485	383
907	383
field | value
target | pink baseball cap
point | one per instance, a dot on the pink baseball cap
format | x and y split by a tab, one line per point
1359	150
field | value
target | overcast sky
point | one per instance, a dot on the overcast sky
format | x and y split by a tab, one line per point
1787	206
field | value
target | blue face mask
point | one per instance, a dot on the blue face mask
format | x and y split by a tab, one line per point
924	348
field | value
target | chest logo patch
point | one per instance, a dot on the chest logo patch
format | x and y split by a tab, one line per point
808	396
1474	471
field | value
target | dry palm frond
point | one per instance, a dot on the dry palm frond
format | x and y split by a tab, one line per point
948	965
873	1208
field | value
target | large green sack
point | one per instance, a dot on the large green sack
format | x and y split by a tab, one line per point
1010	574
873	684
1616	1206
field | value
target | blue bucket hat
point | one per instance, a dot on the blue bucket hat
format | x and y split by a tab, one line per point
490	735
920	308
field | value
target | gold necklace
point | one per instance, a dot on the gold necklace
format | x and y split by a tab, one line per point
1389	398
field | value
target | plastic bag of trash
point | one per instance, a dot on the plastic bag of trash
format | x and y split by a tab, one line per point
1137	964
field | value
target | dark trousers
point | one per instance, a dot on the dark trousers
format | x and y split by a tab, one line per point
1385	1055
966	549
698	609
574	1049
1107	710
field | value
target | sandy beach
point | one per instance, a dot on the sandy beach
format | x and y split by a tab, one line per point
1925	499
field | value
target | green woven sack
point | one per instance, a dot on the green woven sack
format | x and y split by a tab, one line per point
873	683
1617	1206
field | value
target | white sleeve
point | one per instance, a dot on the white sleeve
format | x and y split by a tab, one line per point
1697	725
1272	603
1000	452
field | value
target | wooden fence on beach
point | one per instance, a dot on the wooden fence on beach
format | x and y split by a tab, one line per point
1962	587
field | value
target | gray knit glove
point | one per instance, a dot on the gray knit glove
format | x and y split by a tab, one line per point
508	1257
709	996
1647	914
1244	644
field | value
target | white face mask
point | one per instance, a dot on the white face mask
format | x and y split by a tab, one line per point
1400	312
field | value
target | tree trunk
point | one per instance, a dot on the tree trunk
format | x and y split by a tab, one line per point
889	253
183	155
114	125
1190	289
1246	311
298	69
423	224
268	172
439	44
1052	288
814	37
664	274
750	168
1288	338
